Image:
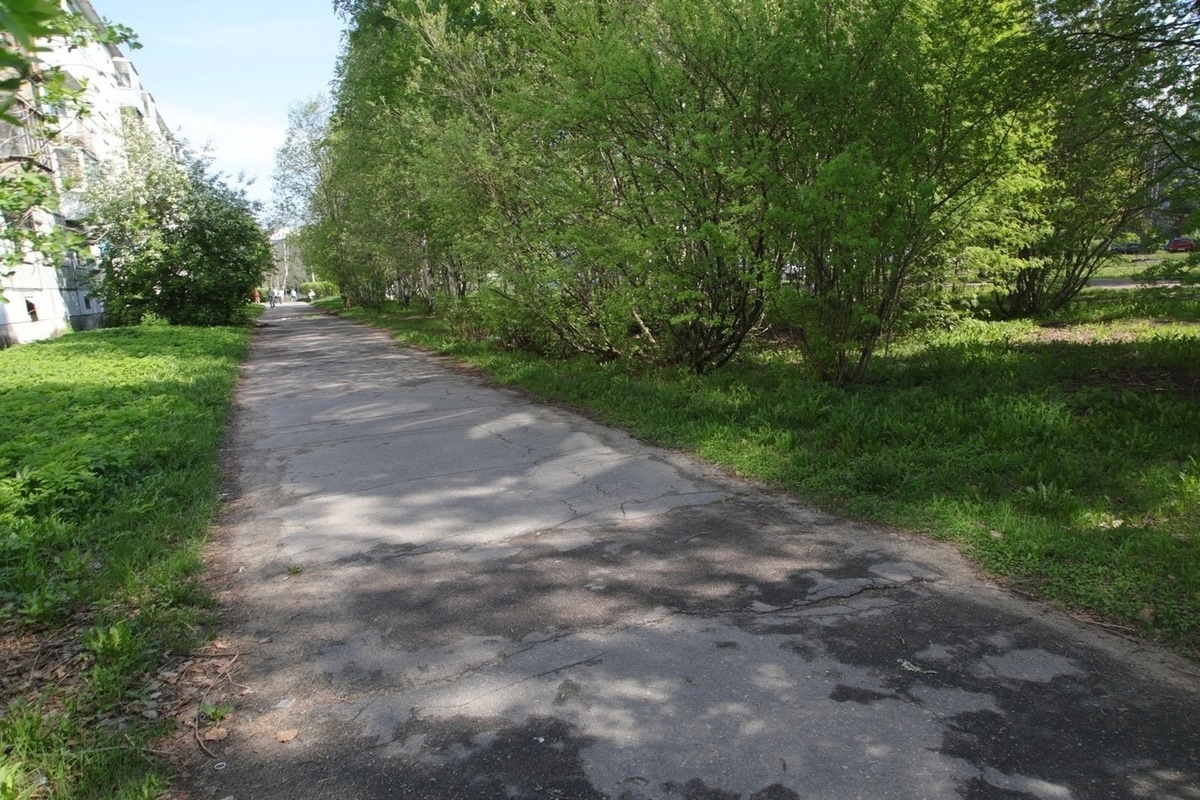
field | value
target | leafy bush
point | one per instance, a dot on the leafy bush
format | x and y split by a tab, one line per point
319	288
175	242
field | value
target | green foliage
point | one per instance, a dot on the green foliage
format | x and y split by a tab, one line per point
215	714
24	22
642	181
72	494
1090	165
108	484
319	288
28	194
1181	267
175	240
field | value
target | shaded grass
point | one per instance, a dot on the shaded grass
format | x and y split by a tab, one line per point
108	484
1061	457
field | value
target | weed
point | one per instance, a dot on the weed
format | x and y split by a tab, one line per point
214	715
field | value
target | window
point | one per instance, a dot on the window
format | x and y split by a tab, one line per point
70	171
31	309
122	74
93	170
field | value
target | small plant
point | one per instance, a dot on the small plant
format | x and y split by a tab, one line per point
11	779
294	569
214	715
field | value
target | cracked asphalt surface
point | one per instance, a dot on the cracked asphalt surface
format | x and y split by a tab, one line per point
445	590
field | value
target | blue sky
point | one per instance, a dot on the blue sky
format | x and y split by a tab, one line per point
224	73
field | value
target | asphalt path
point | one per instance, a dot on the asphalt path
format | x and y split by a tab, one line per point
441	589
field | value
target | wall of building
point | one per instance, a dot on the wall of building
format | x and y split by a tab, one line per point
46	300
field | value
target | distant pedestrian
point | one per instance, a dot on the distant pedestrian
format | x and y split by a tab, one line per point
294	295
311	295
271	298
257	299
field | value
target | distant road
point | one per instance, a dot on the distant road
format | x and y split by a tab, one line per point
1123	283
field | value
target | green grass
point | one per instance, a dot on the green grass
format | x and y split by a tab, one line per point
1143	309
1131	267
1062	458
108	485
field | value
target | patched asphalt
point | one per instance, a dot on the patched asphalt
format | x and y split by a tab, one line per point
440	589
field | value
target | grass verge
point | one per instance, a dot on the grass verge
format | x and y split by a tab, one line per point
1062	457
109	482
1132	267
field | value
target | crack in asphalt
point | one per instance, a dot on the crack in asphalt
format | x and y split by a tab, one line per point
836	599
827	600
452	474
590	661
495	661
421	426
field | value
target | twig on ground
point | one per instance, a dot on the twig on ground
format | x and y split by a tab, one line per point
231	680
234	654
1107	624
33	664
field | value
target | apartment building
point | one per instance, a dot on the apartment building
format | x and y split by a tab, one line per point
44	299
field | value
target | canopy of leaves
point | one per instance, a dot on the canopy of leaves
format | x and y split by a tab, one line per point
174	239
644	179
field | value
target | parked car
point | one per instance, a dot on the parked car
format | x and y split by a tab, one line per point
1127	248
1181	244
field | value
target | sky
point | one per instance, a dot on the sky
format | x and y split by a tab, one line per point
224	73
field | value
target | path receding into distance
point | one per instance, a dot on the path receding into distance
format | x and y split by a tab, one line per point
441	589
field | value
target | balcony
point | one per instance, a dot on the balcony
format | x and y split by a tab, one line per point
24	143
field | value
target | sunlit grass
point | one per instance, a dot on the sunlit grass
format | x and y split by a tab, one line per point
1062	456
108	484
1132	267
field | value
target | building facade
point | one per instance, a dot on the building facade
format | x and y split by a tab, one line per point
48	299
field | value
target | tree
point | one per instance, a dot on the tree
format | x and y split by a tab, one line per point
652	230
339	186
174	239
688	154
392	116
1097	173
301	163
636	179
1110	143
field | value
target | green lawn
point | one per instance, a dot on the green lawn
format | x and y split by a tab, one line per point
1063	457
1131	267
108	486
